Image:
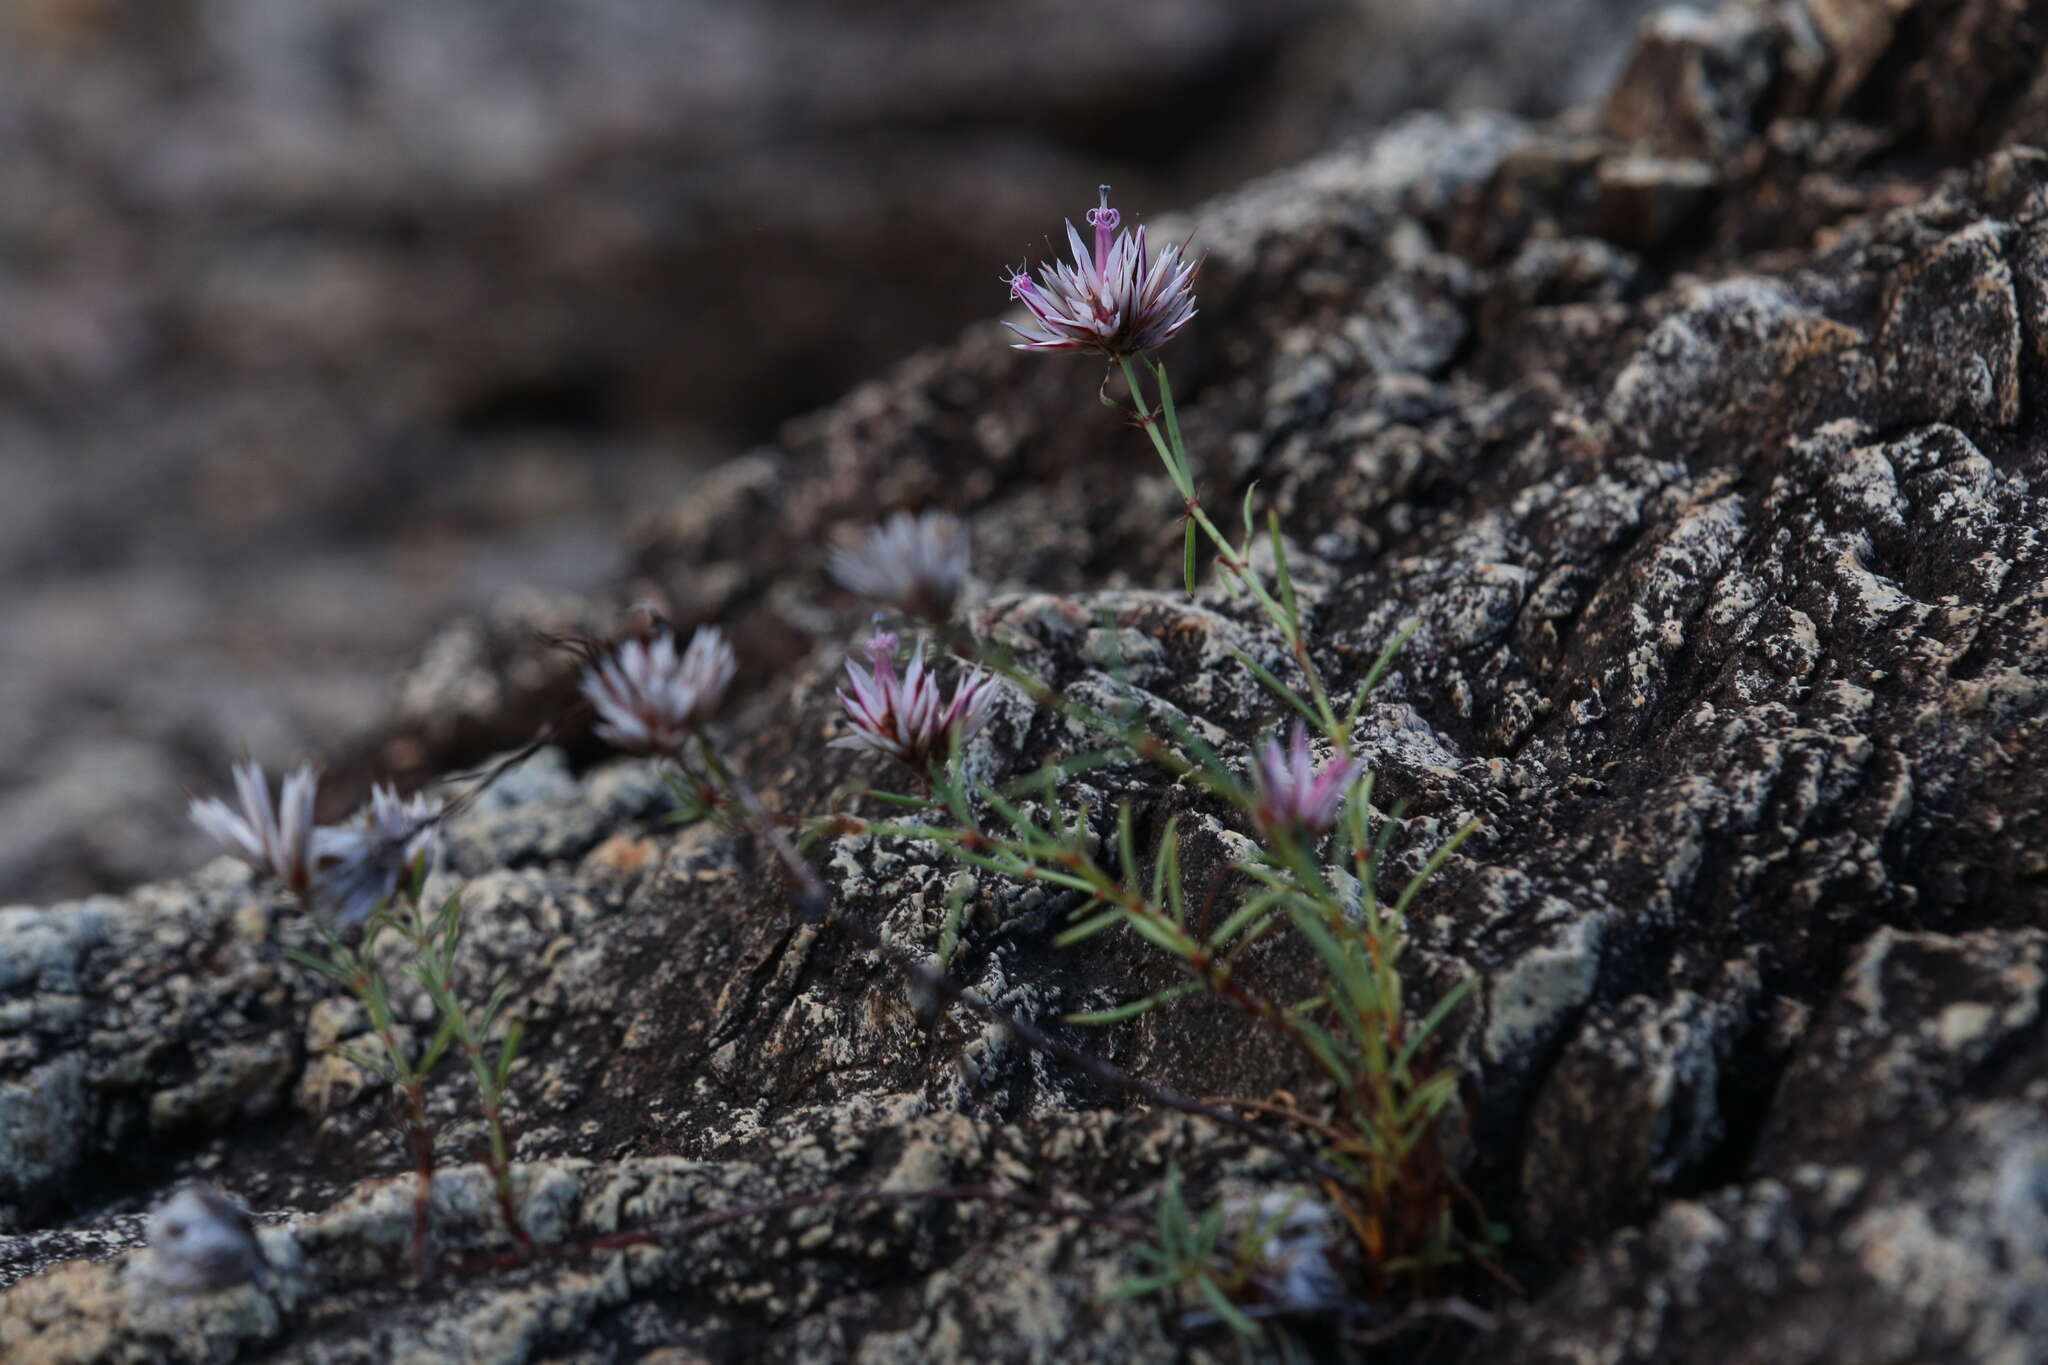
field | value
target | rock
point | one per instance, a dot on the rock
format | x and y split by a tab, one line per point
324	327
1893	1210
1720	531
1696	83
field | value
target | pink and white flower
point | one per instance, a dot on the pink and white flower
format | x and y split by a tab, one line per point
1291	798
905	717
277	840
650	699
913	563
1116	301
364	862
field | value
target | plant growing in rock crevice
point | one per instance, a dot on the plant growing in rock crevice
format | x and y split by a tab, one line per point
1380	1154
357	882
1316	872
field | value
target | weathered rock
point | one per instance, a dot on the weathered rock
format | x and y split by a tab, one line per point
1723	540
325	324
1895	1210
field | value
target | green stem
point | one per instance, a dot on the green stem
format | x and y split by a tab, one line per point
1173	454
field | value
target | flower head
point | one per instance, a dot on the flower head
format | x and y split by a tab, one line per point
1291	798
201	1242
277	840
1299	1236
904	717
649	699
1116	301
362	864
915	564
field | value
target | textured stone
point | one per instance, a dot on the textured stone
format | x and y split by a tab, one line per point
1723	548
327	323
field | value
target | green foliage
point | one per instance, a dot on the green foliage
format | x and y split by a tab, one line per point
433	936
1190	1256
1385	1131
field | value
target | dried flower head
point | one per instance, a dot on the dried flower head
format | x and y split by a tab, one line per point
1298	1237
201	1242
276	840
1291	798
1115	302
363	863
913	563
904	717
650	699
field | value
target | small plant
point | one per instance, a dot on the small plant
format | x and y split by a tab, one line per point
1320	846
1377	1152
356	882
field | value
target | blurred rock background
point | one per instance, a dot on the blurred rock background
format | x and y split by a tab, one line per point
324	322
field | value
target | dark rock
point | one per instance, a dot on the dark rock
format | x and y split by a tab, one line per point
324	326
1724	546
1895	1210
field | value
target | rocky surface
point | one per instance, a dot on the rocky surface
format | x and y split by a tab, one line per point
1699	431
322	324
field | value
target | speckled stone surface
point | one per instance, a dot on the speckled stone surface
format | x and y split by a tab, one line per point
1699	432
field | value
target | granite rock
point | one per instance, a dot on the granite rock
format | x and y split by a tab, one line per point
1722	537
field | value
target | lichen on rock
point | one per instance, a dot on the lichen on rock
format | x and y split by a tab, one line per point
1699	437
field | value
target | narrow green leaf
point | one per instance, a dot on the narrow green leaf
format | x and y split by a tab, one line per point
499	996
1127	846
1348	973
1240	919
1187	555
316	963
1432	1020
508	1051
1262	926
1209	1232
1337	1060
1173	1216
1010	811
1430	868
1251	527
1166	936
1226	1310
1286	579
1089	928
1117	1014
1180	447
451	916
1379	668
378	1065
1358	817
1427	1100
949	788
1159	864
442	1037
1169	854
1139	1286
1168	452
897	799
1276	687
